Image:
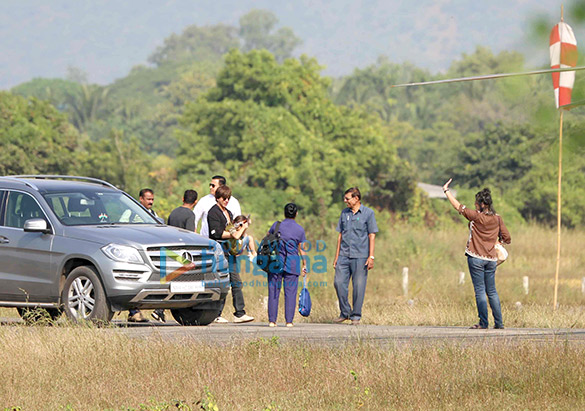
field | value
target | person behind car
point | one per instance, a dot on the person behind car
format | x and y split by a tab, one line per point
146	198
204	205
181	217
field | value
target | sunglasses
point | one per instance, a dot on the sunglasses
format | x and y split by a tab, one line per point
212	185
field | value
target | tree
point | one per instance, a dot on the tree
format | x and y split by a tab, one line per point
35	138
536	192
117	159
371	89
256	30
273	127
77	75
499	156
196	43
53	90
86	104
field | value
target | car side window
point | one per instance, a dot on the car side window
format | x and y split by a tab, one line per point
21	207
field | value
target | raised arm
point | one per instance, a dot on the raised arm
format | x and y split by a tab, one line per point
456	204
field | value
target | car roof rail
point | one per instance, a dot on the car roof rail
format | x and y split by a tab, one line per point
58	177
16	180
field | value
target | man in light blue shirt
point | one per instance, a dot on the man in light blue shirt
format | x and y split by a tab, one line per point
354	255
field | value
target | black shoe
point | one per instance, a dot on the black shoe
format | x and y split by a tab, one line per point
159	315
499	327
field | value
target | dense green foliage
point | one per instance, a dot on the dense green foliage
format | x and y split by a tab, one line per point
229	100
274	127
35	137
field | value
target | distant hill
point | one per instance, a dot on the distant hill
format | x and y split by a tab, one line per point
108	38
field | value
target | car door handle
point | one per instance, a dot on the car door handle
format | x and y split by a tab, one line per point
4	240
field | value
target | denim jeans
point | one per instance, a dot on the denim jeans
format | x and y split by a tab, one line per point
354	269
483	276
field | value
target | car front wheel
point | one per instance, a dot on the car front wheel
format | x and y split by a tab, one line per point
83	297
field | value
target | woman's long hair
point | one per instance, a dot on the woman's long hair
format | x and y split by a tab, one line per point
484	199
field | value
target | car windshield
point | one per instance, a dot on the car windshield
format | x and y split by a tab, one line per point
97	208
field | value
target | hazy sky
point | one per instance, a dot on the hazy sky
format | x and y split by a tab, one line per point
106	38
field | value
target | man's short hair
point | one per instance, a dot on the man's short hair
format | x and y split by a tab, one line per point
144	191
221	180
355	192
223	192
190	196
290	210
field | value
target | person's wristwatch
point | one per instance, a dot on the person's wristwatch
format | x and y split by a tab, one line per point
372	257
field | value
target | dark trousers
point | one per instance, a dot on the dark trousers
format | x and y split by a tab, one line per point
291	285
236	285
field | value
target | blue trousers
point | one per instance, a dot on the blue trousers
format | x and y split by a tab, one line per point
356	270
483	276
291	285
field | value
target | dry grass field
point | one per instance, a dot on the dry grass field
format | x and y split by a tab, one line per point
435	259
68	367
76	368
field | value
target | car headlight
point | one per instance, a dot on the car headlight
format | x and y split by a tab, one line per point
123	253
220	260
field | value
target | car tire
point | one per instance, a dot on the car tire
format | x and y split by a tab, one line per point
37	314
195	315
83	297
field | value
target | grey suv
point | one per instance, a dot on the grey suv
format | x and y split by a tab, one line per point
82	246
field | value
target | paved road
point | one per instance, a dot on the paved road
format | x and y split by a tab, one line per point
337	334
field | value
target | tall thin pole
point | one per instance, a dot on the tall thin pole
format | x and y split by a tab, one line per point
559	200
559	212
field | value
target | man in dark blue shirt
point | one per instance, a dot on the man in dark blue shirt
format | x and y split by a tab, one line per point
354	255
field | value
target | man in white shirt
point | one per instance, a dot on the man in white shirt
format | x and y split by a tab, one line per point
205	204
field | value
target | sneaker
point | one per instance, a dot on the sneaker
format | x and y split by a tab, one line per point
289	325
243	319
137	318
220	320
340	320
159	315
272	324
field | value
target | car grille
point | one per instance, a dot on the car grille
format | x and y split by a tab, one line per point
201	256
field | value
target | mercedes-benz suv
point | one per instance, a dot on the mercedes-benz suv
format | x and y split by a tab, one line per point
82	246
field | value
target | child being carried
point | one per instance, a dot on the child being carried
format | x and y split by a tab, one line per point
245	243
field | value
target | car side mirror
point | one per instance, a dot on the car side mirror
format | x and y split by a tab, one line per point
36	225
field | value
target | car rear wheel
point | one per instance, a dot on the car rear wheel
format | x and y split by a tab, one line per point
37	314
83	297
197	315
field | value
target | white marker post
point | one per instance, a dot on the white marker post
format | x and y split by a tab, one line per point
405	281
461	278
525	284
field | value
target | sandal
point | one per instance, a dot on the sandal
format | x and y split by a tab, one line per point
477	327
